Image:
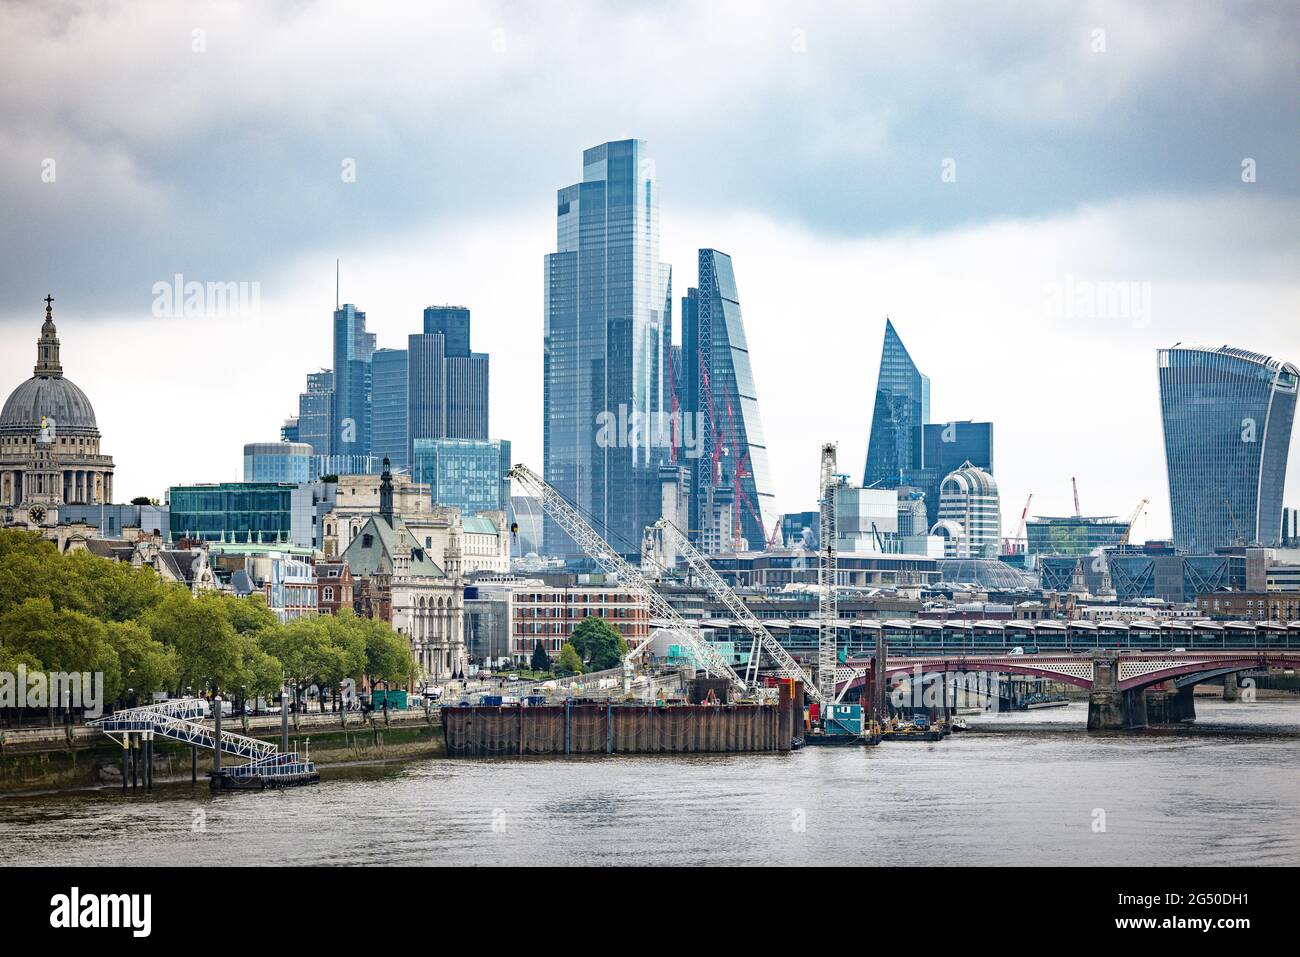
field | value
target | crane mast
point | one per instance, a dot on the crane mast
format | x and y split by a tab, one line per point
827	578
724	593
1128	529
604	555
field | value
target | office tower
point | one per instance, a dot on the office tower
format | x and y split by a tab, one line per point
608	309
447	383
719	400
866	519
466	474
452	322
278	462
902	403
940	448
353	348
1227	416
316	412
388	406
970	515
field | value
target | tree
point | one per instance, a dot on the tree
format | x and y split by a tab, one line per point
598	644
569	662
144	500
147	665
541	660
388	656
209	652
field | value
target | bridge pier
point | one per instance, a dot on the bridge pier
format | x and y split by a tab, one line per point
1231	689
1157	705
1109	708
1182	706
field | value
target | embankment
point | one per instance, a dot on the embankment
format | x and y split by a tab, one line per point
71	758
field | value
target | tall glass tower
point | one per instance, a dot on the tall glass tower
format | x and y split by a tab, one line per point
717	390
608	309
353	347
388	406
902	402
1227	416
316	412
447	382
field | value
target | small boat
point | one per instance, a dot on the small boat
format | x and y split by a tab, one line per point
959	724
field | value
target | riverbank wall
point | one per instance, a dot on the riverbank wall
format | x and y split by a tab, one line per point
613	728
77	757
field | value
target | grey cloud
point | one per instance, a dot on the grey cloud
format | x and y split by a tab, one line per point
225	165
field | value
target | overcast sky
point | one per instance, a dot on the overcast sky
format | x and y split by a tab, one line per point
971	172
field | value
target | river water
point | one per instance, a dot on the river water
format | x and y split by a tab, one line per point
1023	788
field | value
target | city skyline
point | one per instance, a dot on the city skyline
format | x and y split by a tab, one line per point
988	278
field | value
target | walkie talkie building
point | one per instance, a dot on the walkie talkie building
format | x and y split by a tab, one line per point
1227	416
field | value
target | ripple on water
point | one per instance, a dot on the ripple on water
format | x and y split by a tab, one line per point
1020	788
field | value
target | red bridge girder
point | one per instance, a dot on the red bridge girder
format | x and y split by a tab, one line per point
1076	669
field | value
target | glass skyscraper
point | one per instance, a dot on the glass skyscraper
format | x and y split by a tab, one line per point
608	313
717	391
938	448
902	403
388	406
468	474
1227	416
353	348
447	383
316	412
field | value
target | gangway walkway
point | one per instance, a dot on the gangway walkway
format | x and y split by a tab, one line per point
177	721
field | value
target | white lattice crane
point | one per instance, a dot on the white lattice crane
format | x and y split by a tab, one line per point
604	555
717	586
1128	529
827	579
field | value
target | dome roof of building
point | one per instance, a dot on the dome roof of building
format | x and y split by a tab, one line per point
47	398
986	573
969	480
53	397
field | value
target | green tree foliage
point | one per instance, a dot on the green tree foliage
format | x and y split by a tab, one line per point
79	612
598	644
569	662
541	661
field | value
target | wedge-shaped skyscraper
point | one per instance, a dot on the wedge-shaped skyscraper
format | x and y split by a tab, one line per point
731	482
902	403
1227	416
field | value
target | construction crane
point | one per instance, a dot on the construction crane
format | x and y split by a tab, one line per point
827	579
1078	513
1024	517
723	592
1009	546
604	555
1137	513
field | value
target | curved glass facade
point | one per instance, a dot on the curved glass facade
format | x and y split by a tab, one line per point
608	320
718	383
1227	416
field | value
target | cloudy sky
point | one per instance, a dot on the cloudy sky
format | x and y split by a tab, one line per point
972	171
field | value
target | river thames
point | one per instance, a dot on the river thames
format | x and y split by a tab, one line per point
1023	788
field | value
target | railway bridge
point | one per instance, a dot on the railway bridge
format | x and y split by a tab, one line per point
1126	689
